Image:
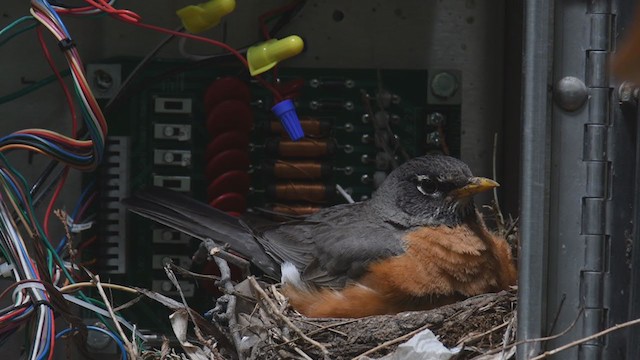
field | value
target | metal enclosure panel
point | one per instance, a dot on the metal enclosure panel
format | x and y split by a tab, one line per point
579	170
538	20
465	35
590	175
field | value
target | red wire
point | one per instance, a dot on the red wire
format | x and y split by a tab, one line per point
74	128
11	315
84	207
47	214
134	19
65	89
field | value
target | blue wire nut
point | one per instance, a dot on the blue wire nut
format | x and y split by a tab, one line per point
286	112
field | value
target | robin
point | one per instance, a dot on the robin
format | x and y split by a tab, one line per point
417	244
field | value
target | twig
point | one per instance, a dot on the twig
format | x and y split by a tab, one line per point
165	349
470	339
225	281
585	339
321	329
274	311
128	303
183	271
391	342
558	312
507	337
214	249
329	327
130	347
546	338
495	190
172	277
294	347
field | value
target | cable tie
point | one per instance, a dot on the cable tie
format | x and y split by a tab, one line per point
27	285
42	302
66	44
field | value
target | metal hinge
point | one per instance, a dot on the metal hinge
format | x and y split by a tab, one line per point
598	165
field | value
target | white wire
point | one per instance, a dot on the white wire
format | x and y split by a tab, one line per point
344	194
102	312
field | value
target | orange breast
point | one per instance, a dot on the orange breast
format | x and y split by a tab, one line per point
442	265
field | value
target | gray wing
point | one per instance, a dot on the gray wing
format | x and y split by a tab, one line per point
333	247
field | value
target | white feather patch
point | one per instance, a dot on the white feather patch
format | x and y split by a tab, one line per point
291	275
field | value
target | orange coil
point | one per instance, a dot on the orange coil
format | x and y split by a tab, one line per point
298	170
311	192
311	127
305	148
295	209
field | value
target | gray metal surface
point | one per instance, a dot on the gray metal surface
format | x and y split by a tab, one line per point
626	209
536	110
465	35
581	282
579	166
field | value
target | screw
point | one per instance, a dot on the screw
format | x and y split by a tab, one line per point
435	119
444	85
103	80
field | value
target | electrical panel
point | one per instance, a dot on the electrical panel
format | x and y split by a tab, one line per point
209	133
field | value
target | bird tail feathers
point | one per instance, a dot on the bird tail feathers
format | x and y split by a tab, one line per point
201	221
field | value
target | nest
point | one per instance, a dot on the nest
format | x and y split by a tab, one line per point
254	321
478	325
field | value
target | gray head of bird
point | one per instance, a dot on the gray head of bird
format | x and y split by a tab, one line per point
429	190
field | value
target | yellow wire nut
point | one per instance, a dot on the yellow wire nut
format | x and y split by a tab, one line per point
198	18
266	55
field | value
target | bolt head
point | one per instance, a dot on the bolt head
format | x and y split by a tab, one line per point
570	93
444	85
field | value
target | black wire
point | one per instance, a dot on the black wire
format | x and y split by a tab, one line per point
43	177
286	18
138	69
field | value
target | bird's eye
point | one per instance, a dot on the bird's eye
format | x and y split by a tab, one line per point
426	186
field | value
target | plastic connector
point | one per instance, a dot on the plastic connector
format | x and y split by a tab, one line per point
286	112
198	18
6	269
266	55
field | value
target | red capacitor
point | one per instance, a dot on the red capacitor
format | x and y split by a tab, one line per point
230	115
231	202
227	161
226	88
227	141
235	181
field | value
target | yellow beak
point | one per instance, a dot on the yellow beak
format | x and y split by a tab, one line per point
475	185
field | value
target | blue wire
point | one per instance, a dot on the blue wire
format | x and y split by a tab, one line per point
48	343
79	203
54	14
115	338
13	185
58	149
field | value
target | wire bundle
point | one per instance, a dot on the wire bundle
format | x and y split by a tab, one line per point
81	154
43	274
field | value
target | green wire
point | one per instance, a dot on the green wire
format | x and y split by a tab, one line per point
14	24
33	87
10	37
51	253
